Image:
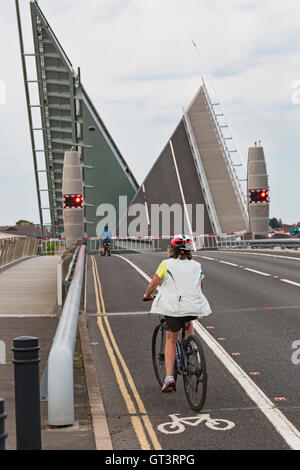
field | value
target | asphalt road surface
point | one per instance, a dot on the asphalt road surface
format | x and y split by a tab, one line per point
251	343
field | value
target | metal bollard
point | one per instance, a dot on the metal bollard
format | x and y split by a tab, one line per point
3	434
27	393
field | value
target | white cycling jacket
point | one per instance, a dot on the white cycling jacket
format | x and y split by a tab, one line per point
180	293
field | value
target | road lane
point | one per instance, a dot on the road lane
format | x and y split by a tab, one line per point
275	265
225	400
257	317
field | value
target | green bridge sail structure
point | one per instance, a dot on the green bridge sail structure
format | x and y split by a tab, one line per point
70	120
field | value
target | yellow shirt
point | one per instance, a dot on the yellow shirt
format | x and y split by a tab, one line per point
162	270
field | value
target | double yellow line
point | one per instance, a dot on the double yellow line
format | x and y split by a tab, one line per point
140	421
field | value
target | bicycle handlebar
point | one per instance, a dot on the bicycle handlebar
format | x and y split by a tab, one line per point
148	300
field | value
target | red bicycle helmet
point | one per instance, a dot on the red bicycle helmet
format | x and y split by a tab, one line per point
182	242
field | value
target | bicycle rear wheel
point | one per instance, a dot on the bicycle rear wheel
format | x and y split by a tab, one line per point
195	379
158	354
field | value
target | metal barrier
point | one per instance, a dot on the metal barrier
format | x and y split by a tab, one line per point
240	243
13	249
118	244
65	270
59	372
148	244
52	246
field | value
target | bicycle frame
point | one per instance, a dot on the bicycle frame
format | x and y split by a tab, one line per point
180	354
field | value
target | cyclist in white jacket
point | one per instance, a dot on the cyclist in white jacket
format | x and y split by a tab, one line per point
180	298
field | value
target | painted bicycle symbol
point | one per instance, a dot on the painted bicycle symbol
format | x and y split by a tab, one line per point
177	425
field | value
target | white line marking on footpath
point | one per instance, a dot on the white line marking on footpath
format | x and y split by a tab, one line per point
290	282
282	425
25	315
257	272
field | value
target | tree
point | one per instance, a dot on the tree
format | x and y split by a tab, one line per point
24	222
274	223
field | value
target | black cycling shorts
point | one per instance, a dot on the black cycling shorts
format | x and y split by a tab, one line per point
175	324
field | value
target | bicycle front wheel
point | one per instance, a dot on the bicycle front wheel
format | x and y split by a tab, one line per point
195	378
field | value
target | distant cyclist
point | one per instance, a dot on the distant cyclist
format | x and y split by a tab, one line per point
295	231
180	298
106	237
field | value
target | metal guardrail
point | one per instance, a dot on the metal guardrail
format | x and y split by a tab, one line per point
230	243
65	269
13	249
59	385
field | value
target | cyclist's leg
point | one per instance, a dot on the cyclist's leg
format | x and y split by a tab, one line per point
189	329
189	326
170	351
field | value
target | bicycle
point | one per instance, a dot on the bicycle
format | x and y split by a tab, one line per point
107	248
189	363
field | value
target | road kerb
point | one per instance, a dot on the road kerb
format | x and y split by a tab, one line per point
100	426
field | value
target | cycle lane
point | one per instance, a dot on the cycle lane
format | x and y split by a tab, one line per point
256	321
247	428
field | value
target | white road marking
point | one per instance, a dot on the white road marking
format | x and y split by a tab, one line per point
177	425
207	257
261	254
229	264
282	425
257	272
182	194
290	282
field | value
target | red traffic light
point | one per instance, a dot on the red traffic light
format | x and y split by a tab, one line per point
73	201
258	196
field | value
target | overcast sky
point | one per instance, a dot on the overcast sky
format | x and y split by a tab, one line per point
140	68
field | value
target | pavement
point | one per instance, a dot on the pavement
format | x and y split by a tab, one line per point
29	287
28	308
